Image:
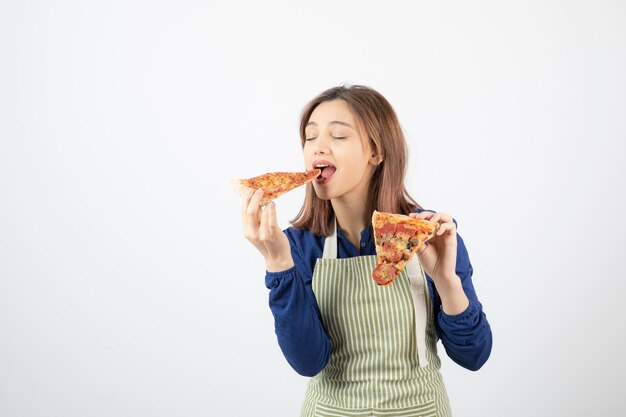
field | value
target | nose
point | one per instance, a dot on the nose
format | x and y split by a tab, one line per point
322	145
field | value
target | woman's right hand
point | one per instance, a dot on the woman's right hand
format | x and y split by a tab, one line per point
260	227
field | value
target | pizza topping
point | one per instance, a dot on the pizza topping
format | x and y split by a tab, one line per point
390	252
386	229
397	238
384	273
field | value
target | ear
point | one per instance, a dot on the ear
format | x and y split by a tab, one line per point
375	158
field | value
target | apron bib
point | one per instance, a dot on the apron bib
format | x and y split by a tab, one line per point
384	360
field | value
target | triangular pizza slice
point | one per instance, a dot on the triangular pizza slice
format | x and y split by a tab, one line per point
274	184
397	238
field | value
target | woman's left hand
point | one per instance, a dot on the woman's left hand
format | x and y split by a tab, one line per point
438	255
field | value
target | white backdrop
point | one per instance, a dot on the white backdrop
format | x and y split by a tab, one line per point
126	287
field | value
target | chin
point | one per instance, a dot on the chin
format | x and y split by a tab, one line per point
322	194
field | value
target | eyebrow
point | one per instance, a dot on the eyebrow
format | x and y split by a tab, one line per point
334	122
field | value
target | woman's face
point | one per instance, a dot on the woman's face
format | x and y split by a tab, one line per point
335	143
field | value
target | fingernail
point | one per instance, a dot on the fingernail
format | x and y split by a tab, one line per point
259	191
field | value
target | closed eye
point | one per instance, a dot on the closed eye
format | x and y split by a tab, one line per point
334	137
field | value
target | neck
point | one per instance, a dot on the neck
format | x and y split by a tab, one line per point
352	216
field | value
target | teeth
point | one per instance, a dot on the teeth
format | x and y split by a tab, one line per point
321	166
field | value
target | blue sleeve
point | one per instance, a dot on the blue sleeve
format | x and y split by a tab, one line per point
297	321
466	336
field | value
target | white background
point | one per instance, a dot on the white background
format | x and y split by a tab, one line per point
126	286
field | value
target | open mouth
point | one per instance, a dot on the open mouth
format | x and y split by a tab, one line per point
327	171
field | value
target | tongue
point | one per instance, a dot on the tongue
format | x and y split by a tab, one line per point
328	171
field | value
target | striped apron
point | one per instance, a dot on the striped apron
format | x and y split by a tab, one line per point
384	360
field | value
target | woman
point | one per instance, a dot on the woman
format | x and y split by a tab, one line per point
371	350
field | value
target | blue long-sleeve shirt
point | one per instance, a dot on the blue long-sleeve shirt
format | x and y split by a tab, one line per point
466	337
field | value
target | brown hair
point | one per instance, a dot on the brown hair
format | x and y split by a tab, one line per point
379	122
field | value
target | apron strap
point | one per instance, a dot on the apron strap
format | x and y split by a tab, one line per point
418	294
330	244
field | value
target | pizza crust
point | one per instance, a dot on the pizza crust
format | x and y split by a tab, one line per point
240	188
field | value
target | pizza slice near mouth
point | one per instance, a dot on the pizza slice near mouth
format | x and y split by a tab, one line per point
274	184
397	238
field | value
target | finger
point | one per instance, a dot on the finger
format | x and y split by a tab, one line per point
246	201
272	221
424	215
253	207
444	227
264	230
272	231
252	216
446	218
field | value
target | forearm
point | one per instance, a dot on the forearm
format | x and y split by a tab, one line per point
462	324
453	298
466	336
298	326
277	265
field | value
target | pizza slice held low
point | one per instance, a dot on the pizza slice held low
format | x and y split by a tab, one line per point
274	184
397	238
